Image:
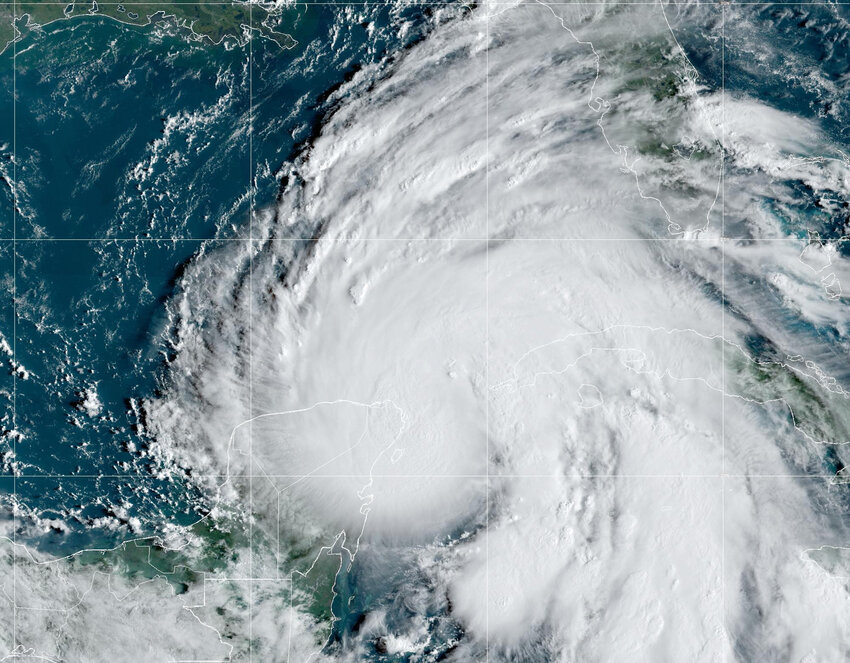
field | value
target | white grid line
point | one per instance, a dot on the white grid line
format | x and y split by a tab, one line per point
251	333
487	338
431	3
459	240
14	327
490	475
723	333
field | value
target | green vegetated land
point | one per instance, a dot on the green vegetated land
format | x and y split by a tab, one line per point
209	20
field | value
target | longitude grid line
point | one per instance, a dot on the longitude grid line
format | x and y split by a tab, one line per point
14	329
723	332
487	335
251	332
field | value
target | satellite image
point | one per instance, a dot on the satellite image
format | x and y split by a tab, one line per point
406	331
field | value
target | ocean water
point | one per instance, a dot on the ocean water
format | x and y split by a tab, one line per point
139	136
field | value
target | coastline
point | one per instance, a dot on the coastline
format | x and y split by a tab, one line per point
235	31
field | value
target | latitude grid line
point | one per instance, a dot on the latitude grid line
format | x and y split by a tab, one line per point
588	475
462	240
344	3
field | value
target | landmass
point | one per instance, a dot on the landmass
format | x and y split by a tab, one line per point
206	20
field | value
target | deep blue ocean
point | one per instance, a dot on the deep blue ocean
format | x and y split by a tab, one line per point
134	150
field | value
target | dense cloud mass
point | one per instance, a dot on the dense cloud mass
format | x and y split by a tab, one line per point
530	361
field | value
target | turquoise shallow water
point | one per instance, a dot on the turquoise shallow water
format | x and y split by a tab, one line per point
792	57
